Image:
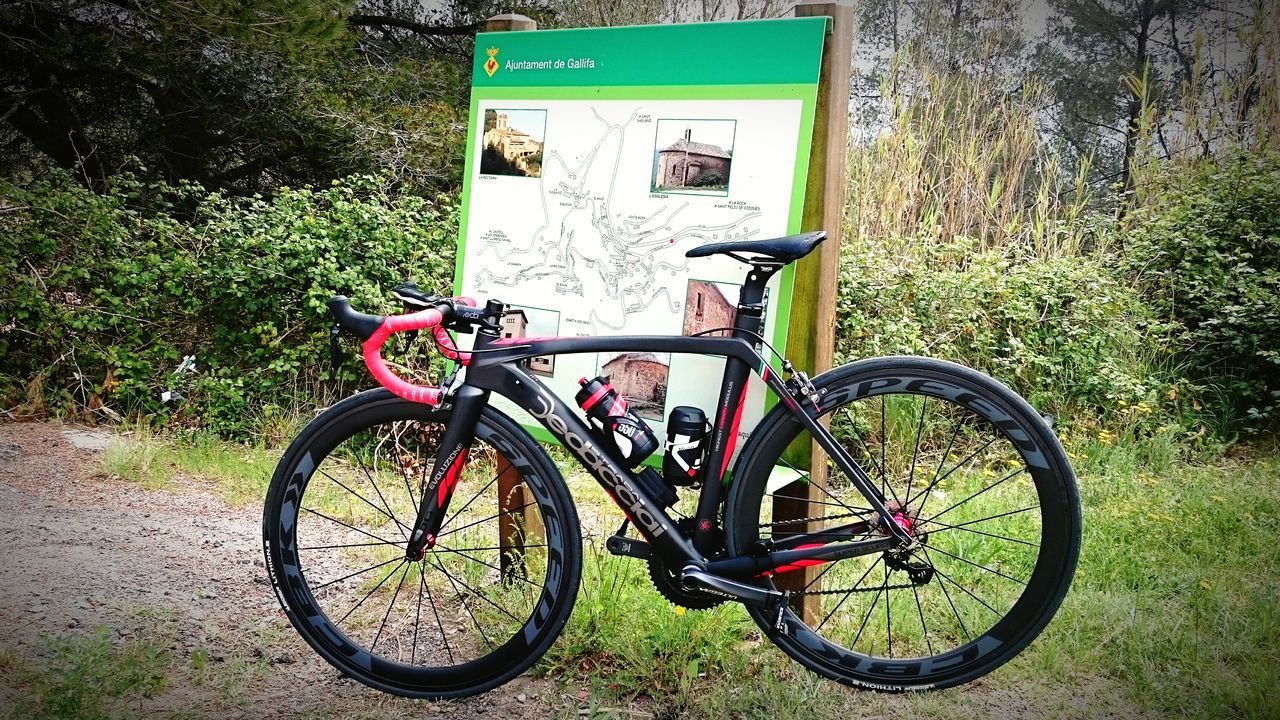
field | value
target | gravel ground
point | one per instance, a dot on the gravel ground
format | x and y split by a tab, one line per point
182	568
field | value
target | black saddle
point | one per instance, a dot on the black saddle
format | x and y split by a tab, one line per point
783	249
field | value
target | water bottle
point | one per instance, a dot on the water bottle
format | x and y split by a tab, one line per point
686	436
622	431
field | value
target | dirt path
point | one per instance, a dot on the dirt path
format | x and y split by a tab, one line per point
181	570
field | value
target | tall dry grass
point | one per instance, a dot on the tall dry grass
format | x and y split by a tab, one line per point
961	157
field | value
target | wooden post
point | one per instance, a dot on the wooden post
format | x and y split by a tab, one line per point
516	523
811	337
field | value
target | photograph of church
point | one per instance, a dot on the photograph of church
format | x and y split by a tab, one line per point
710	306
640	378
693	156
512	142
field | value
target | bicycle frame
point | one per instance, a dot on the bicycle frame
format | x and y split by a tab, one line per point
495	366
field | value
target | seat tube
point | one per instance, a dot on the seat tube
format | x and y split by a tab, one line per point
728	414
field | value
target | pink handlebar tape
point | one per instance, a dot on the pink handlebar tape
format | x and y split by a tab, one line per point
421	320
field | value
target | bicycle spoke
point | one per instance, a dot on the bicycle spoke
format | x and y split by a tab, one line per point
375	488
967	635
955	433
348	545
920	609
980	567
463	600
386	513
867	617
478	594
370	593
358	572
962	588
888	619
915	451
390	605
483	520
468	503
957	466
992	517
351	527
417	620
853	425
1001	481
849	592
946	527
442	548
422	575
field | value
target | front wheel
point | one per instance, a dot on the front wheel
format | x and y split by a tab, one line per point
481	606
976	477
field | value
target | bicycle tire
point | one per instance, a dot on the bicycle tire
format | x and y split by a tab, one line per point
342	498
1013	550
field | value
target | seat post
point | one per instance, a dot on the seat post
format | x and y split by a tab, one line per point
751	301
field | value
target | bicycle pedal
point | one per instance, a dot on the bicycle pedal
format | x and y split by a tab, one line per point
627	547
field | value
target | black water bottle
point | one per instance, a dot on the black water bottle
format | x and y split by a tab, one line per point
625	434
686	436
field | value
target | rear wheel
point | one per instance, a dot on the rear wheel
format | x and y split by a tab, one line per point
479	608
976	476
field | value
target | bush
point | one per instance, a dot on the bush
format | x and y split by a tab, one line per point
109	293
707	178
1067	333
1208	257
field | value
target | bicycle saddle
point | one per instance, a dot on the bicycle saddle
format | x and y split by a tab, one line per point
783	249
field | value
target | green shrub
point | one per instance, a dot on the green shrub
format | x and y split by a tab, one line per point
1065	332
109	293
1208	257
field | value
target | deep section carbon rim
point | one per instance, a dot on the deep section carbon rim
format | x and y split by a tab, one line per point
478	608
973	475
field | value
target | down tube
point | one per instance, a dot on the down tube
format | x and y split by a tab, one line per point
573	433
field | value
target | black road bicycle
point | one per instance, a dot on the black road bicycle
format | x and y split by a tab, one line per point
424	544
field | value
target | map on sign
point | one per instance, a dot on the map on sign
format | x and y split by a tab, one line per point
595	162
589	209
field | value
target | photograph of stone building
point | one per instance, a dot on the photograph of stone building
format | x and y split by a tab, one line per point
710	305
520	322
641	378
512	142
693	156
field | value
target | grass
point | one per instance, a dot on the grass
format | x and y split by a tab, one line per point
239	473
86	677
1173	612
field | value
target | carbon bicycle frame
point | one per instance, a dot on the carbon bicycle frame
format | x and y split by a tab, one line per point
496	367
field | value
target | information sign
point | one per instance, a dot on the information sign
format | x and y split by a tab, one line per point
597	157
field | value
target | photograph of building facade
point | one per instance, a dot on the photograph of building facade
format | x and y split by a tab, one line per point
509	150
515	324
706	307
641	378
688	163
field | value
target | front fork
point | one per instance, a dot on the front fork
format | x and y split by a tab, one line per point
468	402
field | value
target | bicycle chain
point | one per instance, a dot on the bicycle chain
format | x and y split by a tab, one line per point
854	590
811	519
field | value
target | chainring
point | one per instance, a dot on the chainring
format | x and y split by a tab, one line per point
667	581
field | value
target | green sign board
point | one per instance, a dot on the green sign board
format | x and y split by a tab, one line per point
597	157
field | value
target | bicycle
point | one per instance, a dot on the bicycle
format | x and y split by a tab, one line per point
947	529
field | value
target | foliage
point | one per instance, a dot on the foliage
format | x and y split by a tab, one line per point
87	678
110	292
1208	256
708	178
960	156
1066	332
236	98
